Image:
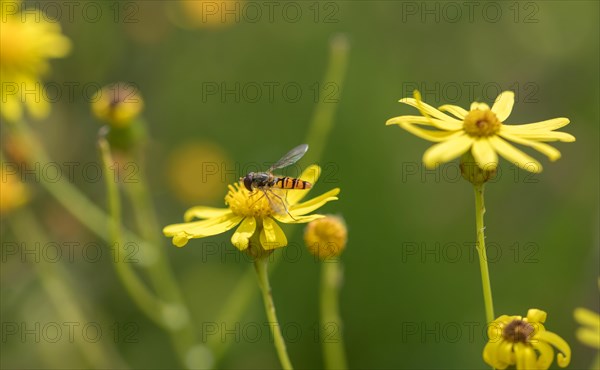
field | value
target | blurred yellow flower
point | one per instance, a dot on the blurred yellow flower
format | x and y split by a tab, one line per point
326	237
524	342
253	212
117	104
28	39
482	131
195	171
13	192
206	13
589	333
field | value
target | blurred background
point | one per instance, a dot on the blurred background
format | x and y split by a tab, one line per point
237	84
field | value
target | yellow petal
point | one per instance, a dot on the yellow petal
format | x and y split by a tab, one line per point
200	229
180	240
204	212
311	173
431	135
514	155
272	236
443	122
550	152
241	236
489	354
479	106
497	354
587	317
484	154
314	203
550	124
504	105
459	112
505	354
525	356
588	337
420	120
447	150
546	354
537	135
563	359
535	315
286	219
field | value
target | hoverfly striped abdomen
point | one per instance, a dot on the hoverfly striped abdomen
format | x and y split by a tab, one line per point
291	183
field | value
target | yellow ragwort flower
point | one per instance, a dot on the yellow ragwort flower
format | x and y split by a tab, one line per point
524	342
253	212
482	131
28	39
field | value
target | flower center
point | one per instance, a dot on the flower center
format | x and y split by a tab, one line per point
481	123
257	203
517	331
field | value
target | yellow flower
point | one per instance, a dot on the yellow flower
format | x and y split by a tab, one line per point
482	131
524	342
253	212
27	41
326	237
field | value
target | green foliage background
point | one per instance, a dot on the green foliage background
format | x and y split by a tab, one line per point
546	225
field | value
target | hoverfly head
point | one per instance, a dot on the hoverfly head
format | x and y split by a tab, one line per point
248	181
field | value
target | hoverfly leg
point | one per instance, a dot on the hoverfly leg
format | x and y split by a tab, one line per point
256	192
283	203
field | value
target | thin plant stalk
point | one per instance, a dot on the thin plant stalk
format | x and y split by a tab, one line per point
331	322
483	265
141	295
260	266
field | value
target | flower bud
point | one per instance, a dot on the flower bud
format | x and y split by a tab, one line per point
118	104
326	237
471	171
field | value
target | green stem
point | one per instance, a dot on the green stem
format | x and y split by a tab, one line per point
140	294
331	279
260	266
324	113
485	274
56	283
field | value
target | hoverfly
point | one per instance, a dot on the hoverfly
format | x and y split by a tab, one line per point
266	181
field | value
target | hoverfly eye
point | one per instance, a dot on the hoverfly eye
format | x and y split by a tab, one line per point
248	182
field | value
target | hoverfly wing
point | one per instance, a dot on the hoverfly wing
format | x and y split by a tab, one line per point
290	158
